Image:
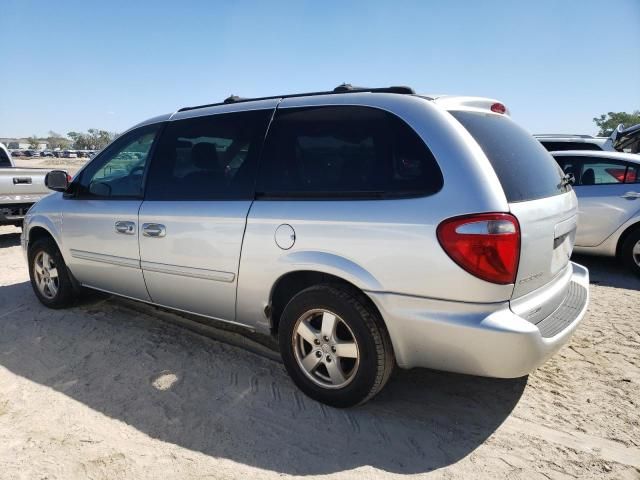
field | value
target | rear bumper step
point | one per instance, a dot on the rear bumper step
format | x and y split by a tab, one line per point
566	313
480	339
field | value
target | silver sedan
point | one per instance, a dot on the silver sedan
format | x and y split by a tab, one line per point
608	188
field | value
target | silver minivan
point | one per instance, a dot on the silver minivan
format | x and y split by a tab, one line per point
363	228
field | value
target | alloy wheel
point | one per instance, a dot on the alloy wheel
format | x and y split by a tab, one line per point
46	275
325	348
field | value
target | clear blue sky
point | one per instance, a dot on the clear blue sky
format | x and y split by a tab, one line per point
76	64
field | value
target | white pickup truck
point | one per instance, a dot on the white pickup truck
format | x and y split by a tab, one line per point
19	189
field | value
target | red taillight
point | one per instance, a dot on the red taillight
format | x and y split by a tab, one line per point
498	108
617	173
486	245
69	178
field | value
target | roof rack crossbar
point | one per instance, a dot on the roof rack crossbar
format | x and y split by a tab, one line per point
341	89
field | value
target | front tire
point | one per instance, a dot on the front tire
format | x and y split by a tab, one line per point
49	276
630	252
334	346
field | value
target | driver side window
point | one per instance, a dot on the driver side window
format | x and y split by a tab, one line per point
118	171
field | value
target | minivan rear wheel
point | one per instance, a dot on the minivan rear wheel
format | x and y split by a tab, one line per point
630	251
334	346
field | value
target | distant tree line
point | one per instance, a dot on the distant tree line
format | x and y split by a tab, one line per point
608	123
92	139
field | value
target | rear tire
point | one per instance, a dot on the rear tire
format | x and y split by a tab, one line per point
630	252
50	279
334	346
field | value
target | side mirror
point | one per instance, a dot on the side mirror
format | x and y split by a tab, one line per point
57	180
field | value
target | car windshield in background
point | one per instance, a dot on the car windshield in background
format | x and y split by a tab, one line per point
524	167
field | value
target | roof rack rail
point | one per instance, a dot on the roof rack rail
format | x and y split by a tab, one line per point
348	88
561	135
233	99
341	89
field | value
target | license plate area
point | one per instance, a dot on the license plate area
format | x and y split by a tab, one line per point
563	241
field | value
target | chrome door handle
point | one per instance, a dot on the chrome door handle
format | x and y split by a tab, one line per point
126	228
153	230
631	195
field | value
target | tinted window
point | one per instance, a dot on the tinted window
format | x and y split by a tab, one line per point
599	171
525	169
118	171
562	146
205	158
4	159
345	151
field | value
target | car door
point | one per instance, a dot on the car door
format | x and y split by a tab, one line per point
100	217
607	195
198	195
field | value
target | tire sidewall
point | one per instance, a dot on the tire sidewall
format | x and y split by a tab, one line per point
351	312
627	252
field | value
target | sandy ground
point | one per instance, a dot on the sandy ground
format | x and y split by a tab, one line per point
114	389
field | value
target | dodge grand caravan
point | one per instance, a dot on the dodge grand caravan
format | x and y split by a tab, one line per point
363	228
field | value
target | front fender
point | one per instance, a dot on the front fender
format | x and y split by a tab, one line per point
52	223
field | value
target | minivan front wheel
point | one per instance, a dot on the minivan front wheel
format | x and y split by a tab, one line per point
335	348
49	276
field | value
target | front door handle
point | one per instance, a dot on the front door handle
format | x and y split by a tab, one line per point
126	228
631	195
153	230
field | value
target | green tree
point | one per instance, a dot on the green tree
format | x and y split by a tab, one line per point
57	140
93	139
607	123
33	141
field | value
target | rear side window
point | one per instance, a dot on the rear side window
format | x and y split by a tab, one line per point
562	146
598	171
208	158
345	151
525	169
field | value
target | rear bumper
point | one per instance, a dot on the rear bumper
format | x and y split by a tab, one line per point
479	339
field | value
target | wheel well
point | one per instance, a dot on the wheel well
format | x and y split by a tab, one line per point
293	283
36	233
630	229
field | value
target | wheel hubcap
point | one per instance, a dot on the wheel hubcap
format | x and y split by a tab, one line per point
325	348
45	274
635	253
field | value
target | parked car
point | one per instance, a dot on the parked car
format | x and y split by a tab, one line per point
16	153
31	153
47	153
19	189
622	139
608	188
363	228
559	142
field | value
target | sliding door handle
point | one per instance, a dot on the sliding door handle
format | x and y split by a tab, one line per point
153	230
126	228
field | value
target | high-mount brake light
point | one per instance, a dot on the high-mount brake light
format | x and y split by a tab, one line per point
487	245
498	108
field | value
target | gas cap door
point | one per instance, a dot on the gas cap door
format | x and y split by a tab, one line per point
285	236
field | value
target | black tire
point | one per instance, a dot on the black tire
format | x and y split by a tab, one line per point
628	258
375	352
66	290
